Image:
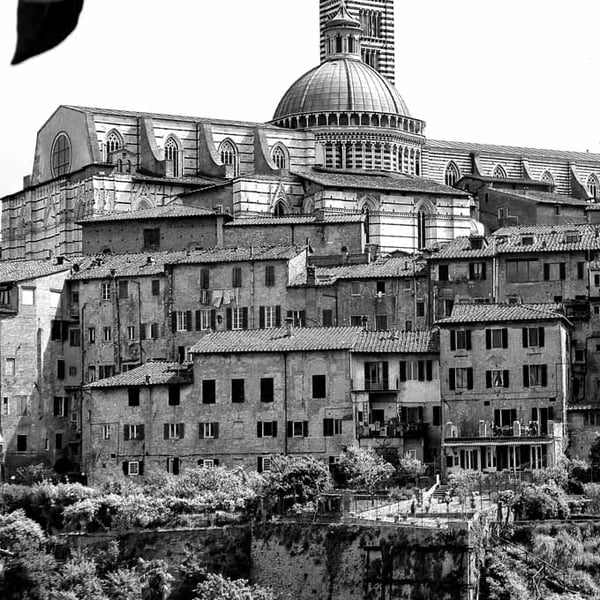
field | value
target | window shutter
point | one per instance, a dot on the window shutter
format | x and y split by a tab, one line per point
404	414
181	430
65	331
544	375
274	428
534	413
166	431
513	415
325	427
385	374
471	271
228	318
245	317
173	321
198	320
546	272
525	376
402	370
452	340
563	271
259	429
215	430
488	379
505	337
525	338
126	432
200	431
141	467
125	467
278	316
366	365
140	435
497	417
506	382
420	414
429	368
470	378
541	337
468	339
551	413
142	331
451	379
188	320
154	331
305	428
259	464
483	270
421	370
290	428
261	317
213	319
216	462
488	338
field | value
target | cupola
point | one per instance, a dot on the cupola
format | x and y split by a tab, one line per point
342	35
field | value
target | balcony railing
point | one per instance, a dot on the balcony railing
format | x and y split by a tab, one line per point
392	429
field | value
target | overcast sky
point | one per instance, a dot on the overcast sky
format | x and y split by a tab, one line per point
520	72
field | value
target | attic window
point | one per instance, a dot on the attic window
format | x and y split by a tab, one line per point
527	240
476	243
571	237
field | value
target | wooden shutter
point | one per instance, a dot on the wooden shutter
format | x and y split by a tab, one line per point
563	270
471	271
125	467
259	429
166	431
290	429
429	369
278	316
468	339
181	430
274	428
551	413
174	321
546	272
488	379
504	337
525	337
420	410
154	331
305	428
506	382
402	370
259	464
470	378
497	417
142	331
488	338
452	339
200	431
228	318
198	320
126	433
483	270
541	337
525	376
261	317
140	435
404	414
385	374
215	427
451	379
141	467
544	375
245	317
213	319
188	320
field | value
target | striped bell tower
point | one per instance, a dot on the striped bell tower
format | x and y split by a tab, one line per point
377	21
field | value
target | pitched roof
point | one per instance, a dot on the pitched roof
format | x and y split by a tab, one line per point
328	219
398	342
486	313
548	238
377	180
382	268
515	150
103	266
150	373
172	211
462	247
314	339
543	197
12	271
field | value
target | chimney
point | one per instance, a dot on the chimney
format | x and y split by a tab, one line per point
147	379
310	276
319	215
289	327
364	321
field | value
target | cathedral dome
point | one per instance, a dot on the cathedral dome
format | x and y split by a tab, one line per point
341	85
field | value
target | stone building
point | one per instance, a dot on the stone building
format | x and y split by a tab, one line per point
505	386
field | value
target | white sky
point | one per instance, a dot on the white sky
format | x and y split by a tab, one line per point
521	72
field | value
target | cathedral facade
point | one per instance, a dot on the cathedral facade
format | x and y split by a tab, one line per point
341	140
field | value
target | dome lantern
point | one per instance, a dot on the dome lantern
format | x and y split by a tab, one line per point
342	35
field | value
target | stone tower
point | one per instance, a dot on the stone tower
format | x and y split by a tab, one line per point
377	21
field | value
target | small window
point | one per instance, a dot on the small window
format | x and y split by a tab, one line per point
105	290
28	296
297	429
131	333
61	406
173	465
74	337
5	406
132	468
266	389
209	391
91	335
4	297
319	386
332	427
236	277
355	288
9	366
443	273
208	431
420	308
156	287
381	322
174	431
174	395
437	416
266	429
21	443
123	289
204	279
380	287
91	377
107	334
152	239
60	369
270	276
408	326
238	391
133	395
106	432
327	317
61	155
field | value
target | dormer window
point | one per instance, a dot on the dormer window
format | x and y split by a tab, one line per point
571	237
527	240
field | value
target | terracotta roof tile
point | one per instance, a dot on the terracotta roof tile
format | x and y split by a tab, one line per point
382	268
378	180
462	247
150	373
20	270
485	313
173	211
328	218
242	253
398	342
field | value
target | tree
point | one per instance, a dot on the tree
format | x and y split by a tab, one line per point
364	468
217	587
409	467
595	459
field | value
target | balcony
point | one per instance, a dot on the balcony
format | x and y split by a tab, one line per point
415	429
389	429
378	386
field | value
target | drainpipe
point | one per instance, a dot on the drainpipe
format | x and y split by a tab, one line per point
285	402
139	323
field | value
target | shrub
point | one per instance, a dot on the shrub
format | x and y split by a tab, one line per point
539	502
217	587
364	468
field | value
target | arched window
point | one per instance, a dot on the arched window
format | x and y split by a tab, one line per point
172	156
452	174
112	143
279	210
499	172
421	229
592	186
547	177
229	155
280	156
61	155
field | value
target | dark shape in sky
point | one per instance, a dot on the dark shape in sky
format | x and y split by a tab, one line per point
43	24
